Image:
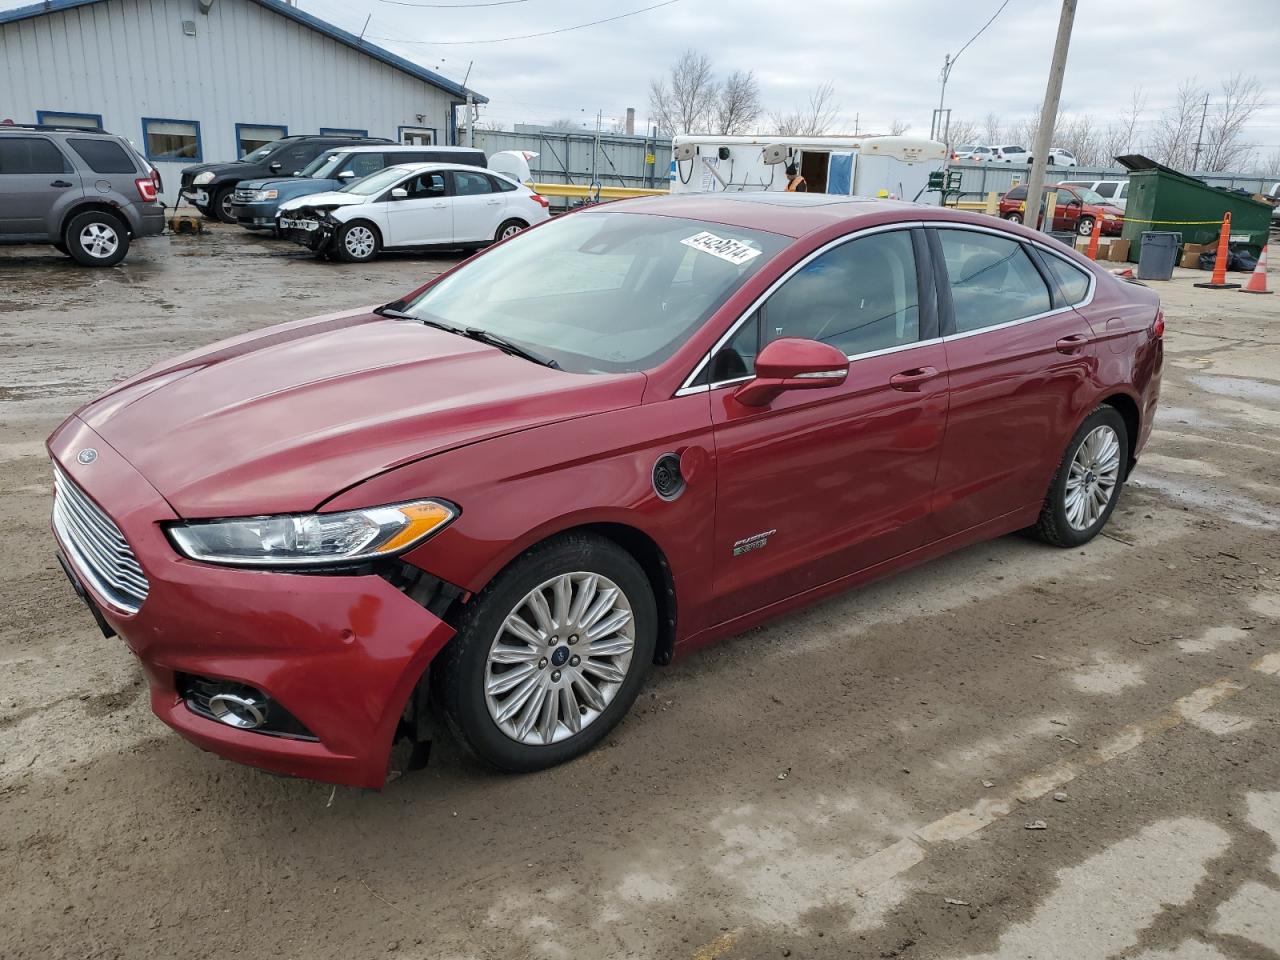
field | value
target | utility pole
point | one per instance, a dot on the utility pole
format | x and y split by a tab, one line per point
936	128
1048	115
1195	164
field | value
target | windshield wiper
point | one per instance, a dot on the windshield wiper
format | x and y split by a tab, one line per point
386	310
506	346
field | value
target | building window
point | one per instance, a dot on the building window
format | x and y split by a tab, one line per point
251	136
418	136
81	121
171	139
342	132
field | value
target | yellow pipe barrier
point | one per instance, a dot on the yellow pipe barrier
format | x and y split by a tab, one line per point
583	192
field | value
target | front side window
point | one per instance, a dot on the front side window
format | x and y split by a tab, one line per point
102	156
363	164
467	184
602	292
992	279
296	156
171	139
251	138
1072	281
31	155
426	185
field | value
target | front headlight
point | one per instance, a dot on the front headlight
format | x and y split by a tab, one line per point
206	177
1108	216
265	194
312	539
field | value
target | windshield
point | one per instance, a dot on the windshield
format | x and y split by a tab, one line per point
322	166
375	182
601	292
262	152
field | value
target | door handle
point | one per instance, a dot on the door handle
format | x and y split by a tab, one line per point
439	206
60	183
910	380
493	203
1072	344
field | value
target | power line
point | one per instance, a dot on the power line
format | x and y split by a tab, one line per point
980	32
530	36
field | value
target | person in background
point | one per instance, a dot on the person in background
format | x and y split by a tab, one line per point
795	182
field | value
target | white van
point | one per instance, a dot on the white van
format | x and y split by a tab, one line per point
896	167
1115	192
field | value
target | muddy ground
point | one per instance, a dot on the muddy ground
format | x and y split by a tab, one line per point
859	780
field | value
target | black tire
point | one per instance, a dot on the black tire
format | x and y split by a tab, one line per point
1084	226
220	209
458	674
509	228
96	239
1053	526
1013	217
1049	162
348	250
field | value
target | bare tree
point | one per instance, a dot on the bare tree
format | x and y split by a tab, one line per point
687	102
991	129
898	127
1080	135
564	123
1271	165
1223	145
1129	119
962	133
1174	135
812	120
738	103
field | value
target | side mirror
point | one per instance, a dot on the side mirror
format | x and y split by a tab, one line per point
276	167
793	364
399	193
346	175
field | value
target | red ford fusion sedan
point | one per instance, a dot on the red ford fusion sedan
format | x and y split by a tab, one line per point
625	433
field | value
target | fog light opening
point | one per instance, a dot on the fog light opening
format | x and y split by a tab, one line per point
246	713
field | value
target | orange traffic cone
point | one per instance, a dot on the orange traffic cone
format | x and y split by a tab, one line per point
1258	282
1219	279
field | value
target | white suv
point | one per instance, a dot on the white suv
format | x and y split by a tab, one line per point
1116	192
414	206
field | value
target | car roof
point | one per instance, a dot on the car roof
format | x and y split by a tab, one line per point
789	214
402	147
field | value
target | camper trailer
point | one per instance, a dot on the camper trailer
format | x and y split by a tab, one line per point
898	167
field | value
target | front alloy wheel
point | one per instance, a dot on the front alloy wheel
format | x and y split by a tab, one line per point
550	655
559	658
356	243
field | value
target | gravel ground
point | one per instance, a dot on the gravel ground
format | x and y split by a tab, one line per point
868	778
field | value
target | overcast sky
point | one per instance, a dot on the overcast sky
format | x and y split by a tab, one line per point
884	56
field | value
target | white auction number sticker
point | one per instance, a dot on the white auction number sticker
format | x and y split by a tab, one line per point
726	248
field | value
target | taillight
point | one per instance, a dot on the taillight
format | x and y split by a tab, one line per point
146	188
1157	326
541	200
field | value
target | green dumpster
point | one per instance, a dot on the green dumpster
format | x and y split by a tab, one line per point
1161	198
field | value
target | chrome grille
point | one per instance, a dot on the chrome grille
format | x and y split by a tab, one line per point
242	195
95	546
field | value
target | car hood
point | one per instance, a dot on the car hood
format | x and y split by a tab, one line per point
217	168
274	182
331	198
280	420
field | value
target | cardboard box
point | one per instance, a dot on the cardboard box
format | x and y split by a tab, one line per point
1117	250
1190	258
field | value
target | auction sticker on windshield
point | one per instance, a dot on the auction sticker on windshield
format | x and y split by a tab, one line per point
734	251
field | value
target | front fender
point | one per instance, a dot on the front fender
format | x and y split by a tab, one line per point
520	489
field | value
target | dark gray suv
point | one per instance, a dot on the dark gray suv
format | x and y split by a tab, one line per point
86	192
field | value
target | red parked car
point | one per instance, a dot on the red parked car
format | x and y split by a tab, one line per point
1076	208
598	446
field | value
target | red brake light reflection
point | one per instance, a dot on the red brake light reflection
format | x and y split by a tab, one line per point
1157	326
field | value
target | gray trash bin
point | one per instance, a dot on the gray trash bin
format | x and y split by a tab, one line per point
1159	254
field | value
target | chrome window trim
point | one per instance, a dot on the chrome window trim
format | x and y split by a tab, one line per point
1043	247
687	388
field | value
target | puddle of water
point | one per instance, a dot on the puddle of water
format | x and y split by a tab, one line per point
1241	387
1219	501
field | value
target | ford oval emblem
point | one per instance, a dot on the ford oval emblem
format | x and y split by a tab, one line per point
87	455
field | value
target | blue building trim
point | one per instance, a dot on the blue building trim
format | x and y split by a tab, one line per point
343	132
435	133
284	132
294	14
50	116
146	146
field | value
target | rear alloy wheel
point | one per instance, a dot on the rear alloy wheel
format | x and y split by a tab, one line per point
1087	485
96	239
1084	226
356	242
1013	217
509	228
550	656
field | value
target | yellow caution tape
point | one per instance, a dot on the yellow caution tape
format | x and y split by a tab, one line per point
1185	223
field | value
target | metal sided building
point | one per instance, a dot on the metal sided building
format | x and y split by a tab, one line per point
192	81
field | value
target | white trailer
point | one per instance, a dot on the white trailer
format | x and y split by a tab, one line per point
897	167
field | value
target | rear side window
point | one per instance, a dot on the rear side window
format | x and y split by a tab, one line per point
1106	189
993	281
1017	193
31	155
1073	281
466	184
102	156
502	186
